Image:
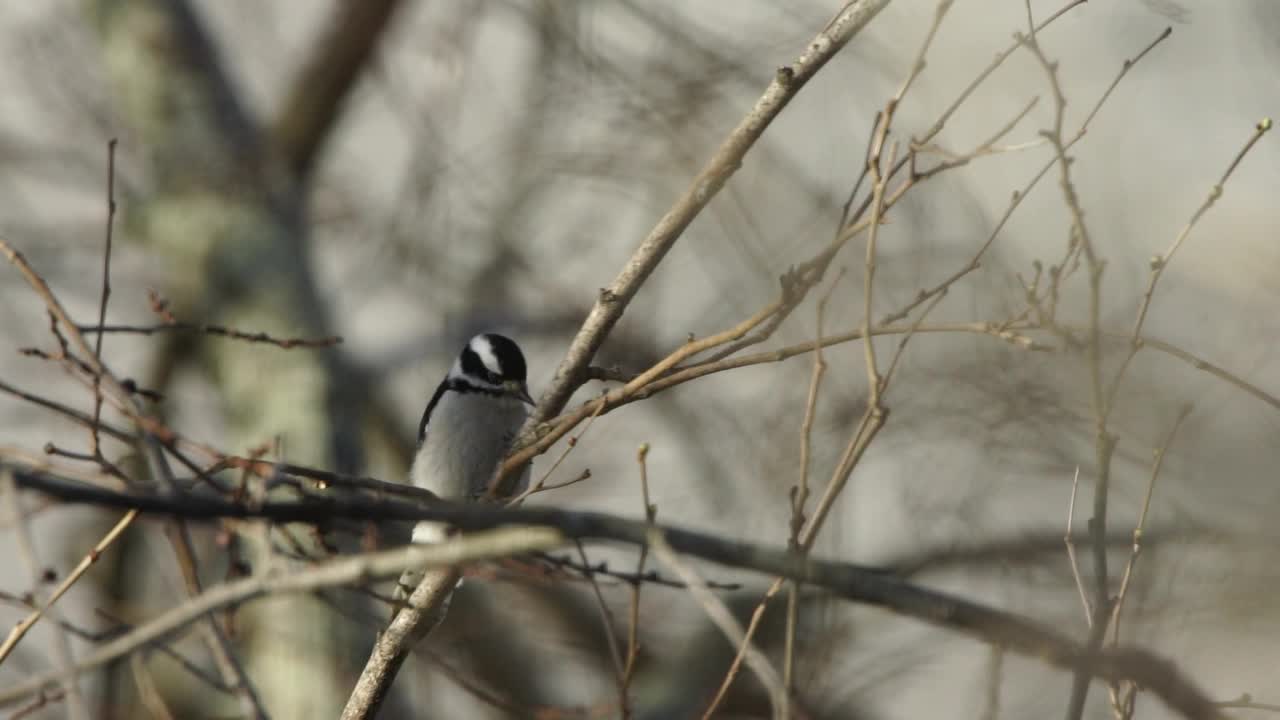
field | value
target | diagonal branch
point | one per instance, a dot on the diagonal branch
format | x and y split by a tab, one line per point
326	80
613	300
726	622
77	709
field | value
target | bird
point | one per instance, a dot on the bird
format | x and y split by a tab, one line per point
470	423
466	430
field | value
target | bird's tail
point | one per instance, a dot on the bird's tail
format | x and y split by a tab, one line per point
428	532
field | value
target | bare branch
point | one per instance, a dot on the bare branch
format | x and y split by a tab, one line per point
94	448
724	620
20	630
337	57
360	568
76	707
613	300
423	611
1160	262
858	583
217	330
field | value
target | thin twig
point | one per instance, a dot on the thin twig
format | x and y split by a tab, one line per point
42	699
19	630
633	620
1123	693
896	359
988	70
580	477
561	426
753	624
94	447
1157	463
189	666
613	300
1246	702
1068	538
1104	441
606	620
63	658
360	568
150	446
723	619
1160	262
216	330
878	209
148	693
800	491
569	446
548	431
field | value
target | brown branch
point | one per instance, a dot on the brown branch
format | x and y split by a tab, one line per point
344	571
150	445
613	300
1068	538
757	616
94	447
799	498
989	69
61	644
1018	195
607	624
633	617
857	583
1160	262
333	65
557	428
634	578
724	620
219	330
65	411
1157	463
795	284
546	475
1104	441
1246	702
1122	695
423	611
20	630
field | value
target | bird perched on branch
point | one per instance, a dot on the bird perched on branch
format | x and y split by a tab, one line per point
467	429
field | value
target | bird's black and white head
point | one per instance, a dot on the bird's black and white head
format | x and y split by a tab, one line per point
491	364
490	370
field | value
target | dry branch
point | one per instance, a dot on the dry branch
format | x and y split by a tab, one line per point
613	300
345	571
857	583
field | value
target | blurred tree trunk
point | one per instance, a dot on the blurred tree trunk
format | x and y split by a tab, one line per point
226	209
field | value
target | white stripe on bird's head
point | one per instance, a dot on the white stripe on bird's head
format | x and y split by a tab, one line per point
482	347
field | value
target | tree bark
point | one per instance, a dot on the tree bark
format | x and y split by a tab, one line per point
226	209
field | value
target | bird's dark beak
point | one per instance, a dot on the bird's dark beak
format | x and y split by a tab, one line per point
521	392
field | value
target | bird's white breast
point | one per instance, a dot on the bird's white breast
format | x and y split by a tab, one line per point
468	434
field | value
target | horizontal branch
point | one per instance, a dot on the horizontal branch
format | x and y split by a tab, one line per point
1016	334
345	571
858	583
204	329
